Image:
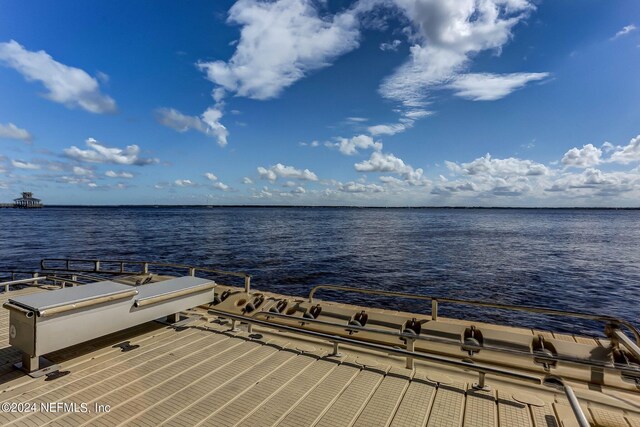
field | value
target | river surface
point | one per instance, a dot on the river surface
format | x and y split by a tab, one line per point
580	260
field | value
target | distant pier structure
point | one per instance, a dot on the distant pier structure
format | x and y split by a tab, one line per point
27	201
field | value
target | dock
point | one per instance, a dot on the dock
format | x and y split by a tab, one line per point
27	201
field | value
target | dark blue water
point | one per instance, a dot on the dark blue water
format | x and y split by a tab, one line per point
582	260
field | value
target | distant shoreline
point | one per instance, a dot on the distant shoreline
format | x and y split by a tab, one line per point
341	207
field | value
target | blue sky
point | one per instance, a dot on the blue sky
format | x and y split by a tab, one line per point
321	102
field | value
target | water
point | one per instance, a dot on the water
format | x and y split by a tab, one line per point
582	260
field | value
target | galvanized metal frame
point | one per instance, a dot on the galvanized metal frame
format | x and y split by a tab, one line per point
143	268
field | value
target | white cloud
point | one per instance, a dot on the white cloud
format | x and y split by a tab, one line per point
486	165
183	182
24	165
247	180
390	46
211	117
357	187
208	123
210	176
280	42
589	155
593	181
490	87
80	171
99	153
389	129
357	119
584	157
391	180
309	144
11	131
221	186
415	114
350	146
624	31
627	154
286	172
67	85
448	34
380	162
114	174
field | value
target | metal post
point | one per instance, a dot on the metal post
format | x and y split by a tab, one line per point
336	350
250	328
434	309
97	265
145	268
192	271
481	385
411	346
247	284
34	275
74	278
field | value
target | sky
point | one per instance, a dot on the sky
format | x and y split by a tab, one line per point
516	103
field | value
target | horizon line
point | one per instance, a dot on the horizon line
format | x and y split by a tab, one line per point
156	205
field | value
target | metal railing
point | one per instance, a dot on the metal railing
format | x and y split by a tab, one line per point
480	369
435	300
142	267
28	281
39	281
348	328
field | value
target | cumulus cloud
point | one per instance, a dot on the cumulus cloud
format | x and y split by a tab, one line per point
490	87
381	162
66	85
183	182
79	170
220	186
584	157
114	174
99	153
20	164
286	172
280	42
210	176
447	34
358	187
350	146
486	165
589	155
12	131
247	180
593	181
208	123
627	154
624	31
